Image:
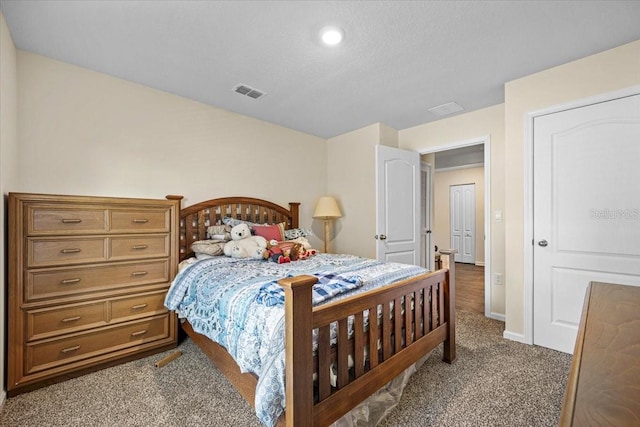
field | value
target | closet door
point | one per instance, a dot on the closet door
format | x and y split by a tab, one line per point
463	219
586	211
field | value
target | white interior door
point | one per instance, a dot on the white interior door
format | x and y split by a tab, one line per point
586	171
426	213
463	222
397	205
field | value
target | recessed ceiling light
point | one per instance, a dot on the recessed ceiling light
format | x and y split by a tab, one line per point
331	36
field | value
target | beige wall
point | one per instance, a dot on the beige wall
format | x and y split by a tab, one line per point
608	71
8	165
351	179
442	182
83	132
487	122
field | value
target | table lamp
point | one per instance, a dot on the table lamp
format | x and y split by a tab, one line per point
327	209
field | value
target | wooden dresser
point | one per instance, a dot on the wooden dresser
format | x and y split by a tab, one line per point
87	281
603	388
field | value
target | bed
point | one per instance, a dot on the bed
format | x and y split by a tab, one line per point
333	356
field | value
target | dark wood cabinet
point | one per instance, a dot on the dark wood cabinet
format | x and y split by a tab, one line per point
603	388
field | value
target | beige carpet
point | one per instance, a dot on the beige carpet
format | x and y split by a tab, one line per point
493	382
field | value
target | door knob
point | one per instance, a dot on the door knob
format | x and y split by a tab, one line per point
543	243
381	237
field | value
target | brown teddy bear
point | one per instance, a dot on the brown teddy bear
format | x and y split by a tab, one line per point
297	252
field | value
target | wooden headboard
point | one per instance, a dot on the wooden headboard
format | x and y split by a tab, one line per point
195	219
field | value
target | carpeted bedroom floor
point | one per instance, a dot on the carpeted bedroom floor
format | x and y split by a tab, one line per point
493	382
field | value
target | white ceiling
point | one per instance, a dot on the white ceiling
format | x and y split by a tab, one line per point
399	58
457	157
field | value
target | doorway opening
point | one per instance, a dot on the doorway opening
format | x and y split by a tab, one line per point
449	165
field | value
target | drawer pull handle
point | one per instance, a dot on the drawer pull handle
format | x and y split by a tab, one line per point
140	220
71	251
68	281
139	306
70	349
142	332
139	273
71	220
140	246
71	319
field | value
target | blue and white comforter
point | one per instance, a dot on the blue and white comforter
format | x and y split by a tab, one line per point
223	299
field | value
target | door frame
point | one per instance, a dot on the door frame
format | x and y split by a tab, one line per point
528	197
486	141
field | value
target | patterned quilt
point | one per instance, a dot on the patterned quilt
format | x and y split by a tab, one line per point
221	298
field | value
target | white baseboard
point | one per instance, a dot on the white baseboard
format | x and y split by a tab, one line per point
515	337
480	263
3	399
497	316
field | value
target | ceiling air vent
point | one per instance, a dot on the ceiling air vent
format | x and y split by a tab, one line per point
446	109
248	91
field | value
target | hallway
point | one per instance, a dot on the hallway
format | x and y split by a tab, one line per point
470	287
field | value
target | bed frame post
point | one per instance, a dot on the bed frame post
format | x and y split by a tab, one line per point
448	262
294	207
298	309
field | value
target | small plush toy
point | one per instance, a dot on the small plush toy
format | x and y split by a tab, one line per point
303	241
243	244
310	253
275	253
297	252
306	253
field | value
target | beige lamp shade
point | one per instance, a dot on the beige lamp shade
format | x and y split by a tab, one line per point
327	208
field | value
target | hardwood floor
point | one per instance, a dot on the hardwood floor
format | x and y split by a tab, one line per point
470	287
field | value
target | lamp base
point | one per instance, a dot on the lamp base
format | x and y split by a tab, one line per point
327	242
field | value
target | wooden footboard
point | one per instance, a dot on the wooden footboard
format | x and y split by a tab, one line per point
405	321
415	316
380	350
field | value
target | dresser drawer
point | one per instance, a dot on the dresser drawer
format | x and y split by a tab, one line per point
71	220
140	220
55	352
51	322
65	251
69	282
148	246
123	309
79	250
